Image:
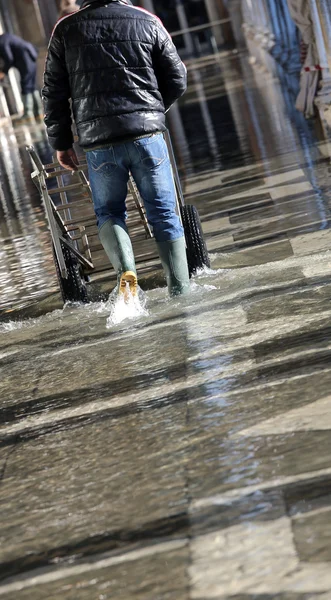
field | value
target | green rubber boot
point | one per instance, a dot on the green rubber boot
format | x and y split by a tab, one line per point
117	244
28	105
174	262
28	115
38	106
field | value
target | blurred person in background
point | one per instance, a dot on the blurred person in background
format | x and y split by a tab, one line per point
120	69
67	7
16	52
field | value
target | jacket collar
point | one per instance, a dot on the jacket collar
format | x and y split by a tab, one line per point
86	3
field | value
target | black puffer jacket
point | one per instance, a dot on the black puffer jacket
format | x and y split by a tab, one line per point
120	68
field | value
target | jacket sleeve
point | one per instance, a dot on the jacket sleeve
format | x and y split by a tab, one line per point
56	95
7	58
170	71
33	52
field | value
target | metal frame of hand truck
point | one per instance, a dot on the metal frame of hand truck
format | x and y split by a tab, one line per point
61	226
56	224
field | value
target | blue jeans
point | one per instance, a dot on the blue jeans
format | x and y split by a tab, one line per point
28	72
148	161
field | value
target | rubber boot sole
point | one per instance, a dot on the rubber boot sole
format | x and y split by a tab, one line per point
130	278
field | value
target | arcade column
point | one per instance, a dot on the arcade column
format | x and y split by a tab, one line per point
213	15
29	21
227	30
149	5
320	12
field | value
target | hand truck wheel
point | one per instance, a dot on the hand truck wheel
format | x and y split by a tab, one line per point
73	289
196	249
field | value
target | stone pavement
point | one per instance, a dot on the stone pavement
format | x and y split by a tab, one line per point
186	454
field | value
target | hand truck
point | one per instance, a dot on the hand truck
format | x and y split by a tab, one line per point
77	251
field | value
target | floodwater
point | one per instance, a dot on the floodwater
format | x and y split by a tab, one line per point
26	265
183	452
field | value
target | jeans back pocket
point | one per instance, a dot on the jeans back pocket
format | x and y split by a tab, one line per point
152	151
102	160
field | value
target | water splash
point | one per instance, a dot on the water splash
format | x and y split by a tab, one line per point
125	306
199	287
206	272
12	325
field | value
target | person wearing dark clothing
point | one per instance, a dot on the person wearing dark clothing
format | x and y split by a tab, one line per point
15	52
120	69
67	7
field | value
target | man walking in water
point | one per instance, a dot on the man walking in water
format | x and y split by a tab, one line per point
119	67
15	52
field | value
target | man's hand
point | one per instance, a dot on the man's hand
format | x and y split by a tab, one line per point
2	75
68	159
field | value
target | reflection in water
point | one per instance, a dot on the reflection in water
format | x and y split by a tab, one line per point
26	268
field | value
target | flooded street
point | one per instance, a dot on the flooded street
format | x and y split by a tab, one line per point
183	453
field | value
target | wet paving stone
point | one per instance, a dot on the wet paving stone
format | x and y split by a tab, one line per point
78	484
148	577
312	536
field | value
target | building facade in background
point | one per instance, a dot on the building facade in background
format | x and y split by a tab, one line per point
34	20
293	38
